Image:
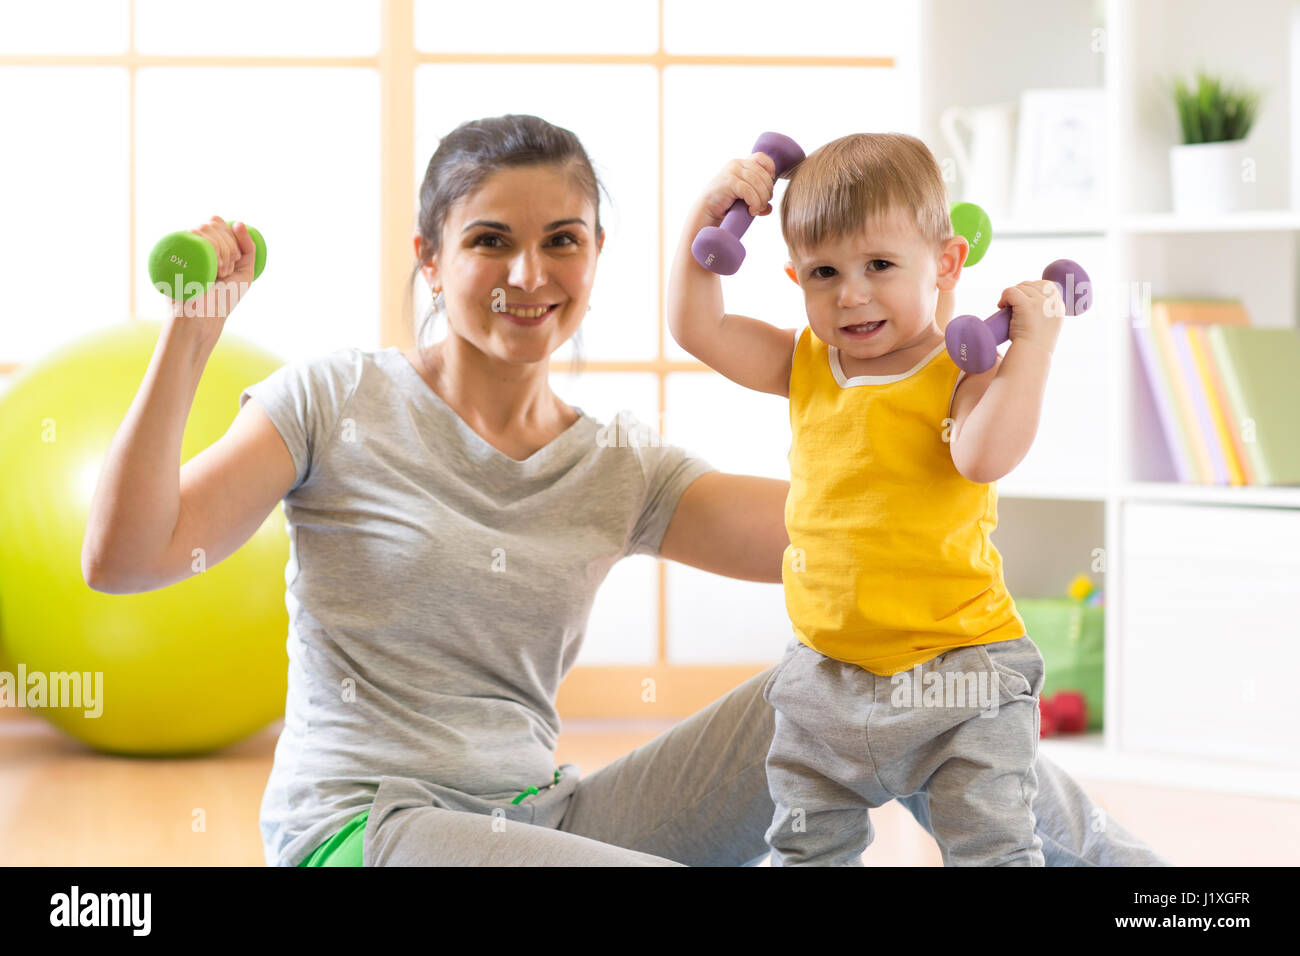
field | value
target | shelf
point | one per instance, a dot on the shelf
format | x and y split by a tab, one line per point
1275	220
1253	497
1250	496
1023	229
1160	223
1087	757
1054	493
1055	517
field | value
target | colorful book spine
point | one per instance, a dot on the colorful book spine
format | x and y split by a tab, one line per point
1220	411
1182	399
1162	394
1202	422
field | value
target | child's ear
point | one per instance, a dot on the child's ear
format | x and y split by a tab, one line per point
789	270
952	257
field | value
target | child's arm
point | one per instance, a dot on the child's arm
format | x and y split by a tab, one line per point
748	351
995	413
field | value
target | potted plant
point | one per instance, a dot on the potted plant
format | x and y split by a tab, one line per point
1211	172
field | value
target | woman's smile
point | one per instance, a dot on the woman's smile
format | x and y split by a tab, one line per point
529	314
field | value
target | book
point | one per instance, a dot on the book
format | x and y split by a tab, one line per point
1261	376
1162	392
1165	312
1239	471
1201	422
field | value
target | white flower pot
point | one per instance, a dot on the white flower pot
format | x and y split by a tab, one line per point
1212	177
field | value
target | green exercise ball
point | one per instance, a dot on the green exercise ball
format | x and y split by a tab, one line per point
186	669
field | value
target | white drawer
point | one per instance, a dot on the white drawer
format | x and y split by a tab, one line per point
1209	641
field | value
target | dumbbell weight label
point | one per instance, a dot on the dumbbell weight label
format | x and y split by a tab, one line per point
185	258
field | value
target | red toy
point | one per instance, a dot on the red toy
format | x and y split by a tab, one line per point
1064	712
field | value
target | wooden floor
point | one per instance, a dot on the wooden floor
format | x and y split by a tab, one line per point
63	804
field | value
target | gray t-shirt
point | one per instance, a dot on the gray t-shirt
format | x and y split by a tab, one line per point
438	590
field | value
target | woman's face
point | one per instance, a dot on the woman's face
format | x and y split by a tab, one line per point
525	241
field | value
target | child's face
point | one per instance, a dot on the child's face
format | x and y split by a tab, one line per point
888	273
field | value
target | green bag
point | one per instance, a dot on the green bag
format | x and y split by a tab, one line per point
1071	636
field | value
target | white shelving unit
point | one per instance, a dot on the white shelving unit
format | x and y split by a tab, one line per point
1202	582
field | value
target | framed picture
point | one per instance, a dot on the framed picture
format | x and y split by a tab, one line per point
1060	156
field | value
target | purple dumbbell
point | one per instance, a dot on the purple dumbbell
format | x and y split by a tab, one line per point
973	342
718	248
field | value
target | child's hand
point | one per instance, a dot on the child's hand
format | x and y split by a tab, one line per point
751	179
1037	311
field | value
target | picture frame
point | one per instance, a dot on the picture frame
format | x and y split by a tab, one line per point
1060	167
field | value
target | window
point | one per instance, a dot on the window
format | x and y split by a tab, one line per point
127	120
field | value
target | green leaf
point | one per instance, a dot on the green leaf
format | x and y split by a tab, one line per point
1213	112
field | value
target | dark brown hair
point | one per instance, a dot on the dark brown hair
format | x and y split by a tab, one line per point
475	150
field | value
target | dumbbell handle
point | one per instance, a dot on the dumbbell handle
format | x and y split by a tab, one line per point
973	342
785	155
718	248
1069	278
737	220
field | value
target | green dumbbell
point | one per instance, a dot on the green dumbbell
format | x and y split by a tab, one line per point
972	222
187	263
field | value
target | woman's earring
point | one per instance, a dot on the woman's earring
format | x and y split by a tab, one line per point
439	301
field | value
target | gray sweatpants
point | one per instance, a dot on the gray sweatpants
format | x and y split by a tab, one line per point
695	795
961	728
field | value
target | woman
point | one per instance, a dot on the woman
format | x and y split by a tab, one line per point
450	520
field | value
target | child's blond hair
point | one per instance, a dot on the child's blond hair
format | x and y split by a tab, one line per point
842	186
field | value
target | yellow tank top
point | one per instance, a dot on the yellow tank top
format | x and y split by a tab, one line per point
890	561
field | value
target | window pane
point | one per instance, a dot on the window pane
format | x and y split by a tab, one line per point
603	394
718	620
63	189
775	28
624	623
63	26
699	139
735	428
307	177
522	26
258	28
582	99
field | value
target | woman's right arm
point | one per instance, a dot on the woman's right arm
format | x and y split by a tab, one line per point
137	499
148	513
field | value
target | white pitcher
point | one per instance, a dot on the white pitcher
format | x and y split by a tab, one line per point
985	169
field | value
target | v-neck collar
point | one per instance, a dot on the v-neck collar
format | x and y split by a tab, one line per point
581	430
